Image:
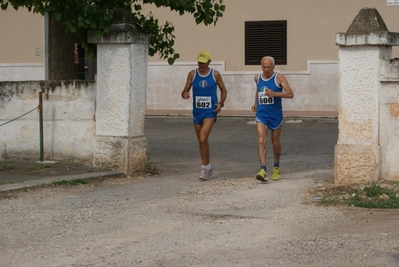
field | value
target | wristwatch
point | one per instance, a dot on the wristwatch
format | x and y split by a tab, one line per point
221	104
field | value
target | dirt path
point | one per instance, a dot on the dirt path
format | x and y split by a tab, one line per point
175	221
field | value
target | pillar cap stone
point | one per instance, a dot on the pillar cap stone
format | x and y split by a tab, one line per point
368	28
123	30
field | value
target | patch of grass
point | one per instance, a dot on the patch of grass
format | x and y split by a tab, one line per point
150	168
4	155
374	196
6	167
328	202
39	167
32	170
70	182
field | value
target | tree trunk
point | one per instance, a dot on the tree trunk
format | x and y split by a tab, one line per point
61	53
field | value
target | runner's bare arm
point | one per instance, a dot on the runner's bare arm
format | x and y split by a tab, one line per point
223	91
185	93
254	106
287	91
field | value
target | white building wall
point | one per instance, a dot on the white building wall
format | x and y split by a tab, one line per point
316	89
22	72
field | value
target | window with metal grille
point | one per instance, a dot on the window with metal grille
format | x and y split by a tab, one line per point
265	38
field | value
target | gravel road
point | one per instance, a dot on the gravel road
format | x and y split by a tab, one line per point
171	219
159	221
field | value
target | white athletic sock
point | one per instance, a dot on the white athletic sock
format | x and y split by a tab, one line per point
208	167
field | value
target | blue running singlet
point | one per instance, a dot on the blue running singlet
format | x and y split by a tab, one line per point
204	96
269	109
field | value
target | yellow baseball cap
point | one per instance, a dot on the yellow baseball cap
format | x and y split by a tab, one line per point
204	57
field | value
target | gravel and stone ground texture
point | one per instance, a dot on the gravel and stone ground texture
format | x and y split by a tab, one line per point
172	221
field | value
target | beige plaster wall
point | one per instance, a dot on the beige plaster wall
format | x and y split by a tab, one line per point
20	33
312	26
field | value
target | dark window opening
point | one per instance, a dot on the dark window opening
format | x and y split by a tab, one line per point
265	38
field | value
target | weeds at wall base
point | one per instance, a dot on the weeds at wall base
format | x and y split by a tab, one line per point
5	167
382	195
70	182
150	168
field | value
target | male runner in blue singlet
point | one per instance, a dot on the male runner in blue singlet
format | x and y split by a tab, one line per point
204	81
271	87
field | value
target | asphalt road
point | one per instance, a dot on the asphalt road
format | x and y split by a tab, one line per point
173	146
173	149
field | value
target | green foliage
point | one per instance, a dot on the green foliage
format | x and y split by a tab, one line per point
374	190
4	166
372	196
150	167
4	155
377	197
87	17
70	182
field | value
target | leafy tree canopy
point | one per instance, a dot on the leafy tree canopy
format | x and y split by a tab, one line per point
87	17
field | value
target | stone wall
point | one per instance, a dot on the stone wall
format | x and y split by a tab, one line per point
68	119
100	123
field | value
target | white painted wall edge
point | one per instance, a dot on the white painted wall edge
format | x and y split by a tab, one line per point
223	64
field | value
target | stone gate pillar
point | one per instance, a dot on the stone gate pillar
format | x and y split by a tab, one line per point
363	47
122	59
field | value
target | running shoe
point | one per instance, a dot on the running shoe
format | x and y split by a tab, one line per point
205	174
261	176
276	173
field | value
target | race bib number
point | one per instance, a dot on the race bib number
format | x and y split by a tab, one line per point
265	100
203	102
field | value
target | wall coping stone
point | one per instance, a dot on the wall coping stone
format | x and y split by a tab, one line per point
368	28
123	31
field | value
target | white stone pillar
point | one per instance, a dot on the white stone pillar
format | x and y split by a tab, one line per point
389	120
363	47
122	59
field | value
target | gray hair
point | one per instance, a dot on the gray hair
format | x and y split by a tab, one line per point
268	57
